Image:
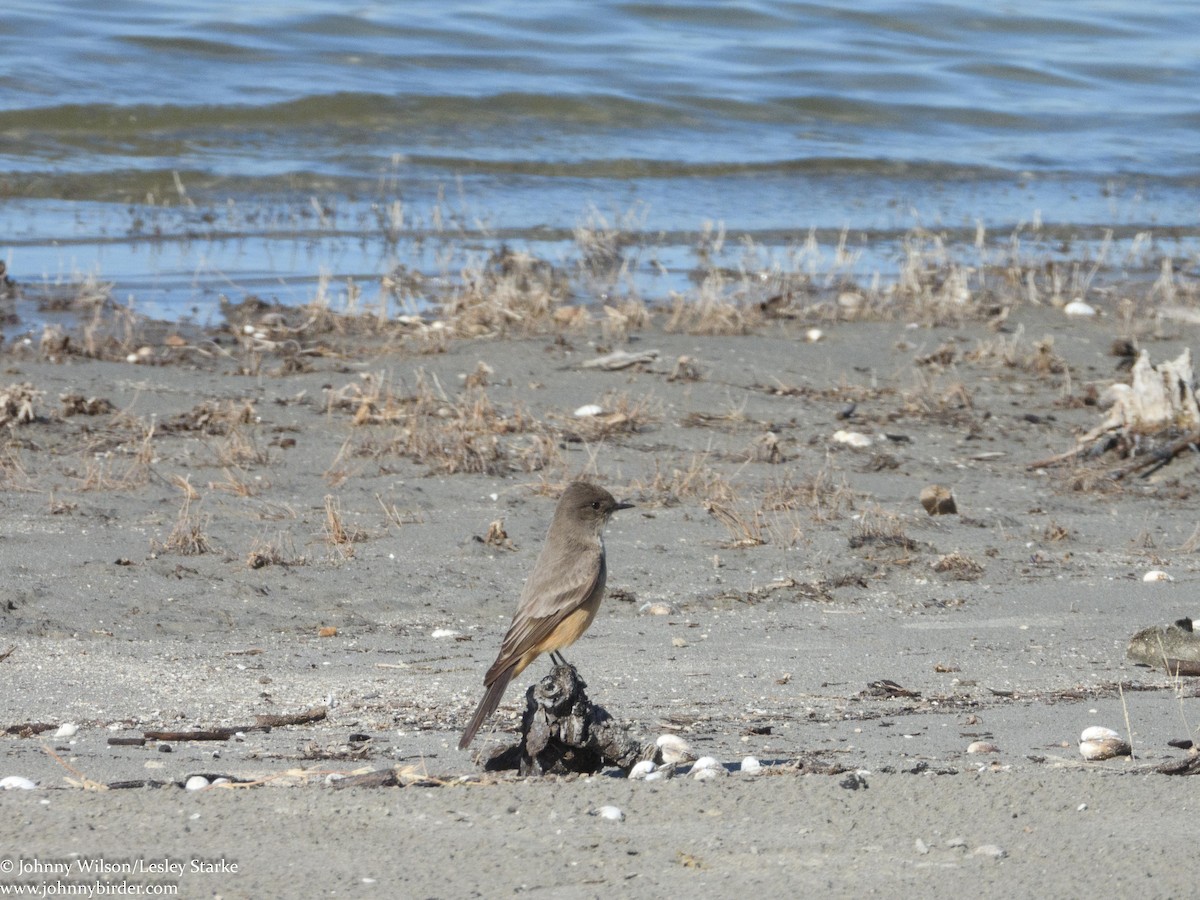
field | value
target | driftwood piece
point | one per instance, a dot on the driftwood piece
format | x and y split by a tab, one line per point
620	359
1188	766
563	732
261	723
316	714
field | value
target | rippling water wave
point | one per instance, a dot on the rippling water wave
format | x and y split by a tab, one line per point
768	116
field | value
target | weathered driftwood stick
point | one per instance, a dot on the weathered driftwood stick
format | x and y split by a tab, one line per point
207	734
316	714
1156	459
564	732
261	723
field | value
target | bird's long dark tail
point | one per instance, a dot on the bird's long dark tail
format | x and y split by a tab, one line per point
486	706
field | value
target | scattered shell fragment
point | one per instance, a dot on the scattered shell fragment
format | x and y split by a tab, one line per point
751	765
853	438
707	767
641	769
813	335
938	500
66	730
443	633
1157	575
1098	742
991	851
196	783
673	749
982	747
678	642
612	813
16	783
588	410
661	774
656	608
327	631
1078	308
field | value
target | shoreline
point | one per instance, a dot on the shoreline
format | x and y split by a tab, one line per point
356	492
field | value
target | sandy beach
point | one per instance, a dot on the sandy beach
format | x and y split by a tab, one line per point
339	536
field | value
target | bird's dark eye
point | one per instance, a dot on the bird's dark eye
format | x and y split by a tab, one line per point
595	504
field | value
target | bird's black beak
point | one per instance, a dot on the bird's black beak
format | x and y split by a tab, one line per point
622	505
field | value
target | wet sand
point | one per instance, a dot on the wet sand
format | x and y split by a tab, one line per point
796	575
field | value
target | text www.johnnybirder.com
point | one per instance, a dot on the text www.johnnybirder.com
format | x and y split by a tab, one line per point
86	889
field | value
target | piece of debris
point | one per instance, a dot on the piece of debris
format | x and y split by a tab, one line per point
938	500
562	732
1174	647
620	359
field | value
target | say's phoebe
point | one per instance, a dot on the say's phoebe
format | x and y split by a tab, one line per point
560	598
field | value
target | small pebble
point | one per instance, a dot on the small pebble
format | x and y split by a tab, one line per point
66	730
443	633
921	847
1157	575
16	783
196	783
611	813
591	409
751	765
1078	308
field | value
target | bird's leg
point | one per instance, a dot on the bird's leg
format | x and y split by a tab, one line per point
559	660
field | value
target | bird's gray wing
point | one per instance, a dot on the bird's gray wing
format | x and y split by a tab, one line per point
552	591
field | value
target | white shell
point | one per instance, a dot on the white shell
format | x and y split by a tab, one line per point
642	769
982	747
443	633
707	767
196	783
1157	575
1078	308
16	783
813	335
751	765
1099	742
660	774
673	749
853	438
66	730
588	410
611	813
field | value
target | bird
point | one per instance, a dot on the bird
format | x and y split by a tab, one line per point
561	596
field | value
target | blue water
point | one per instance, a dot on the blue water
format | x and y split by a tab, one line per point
190	150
